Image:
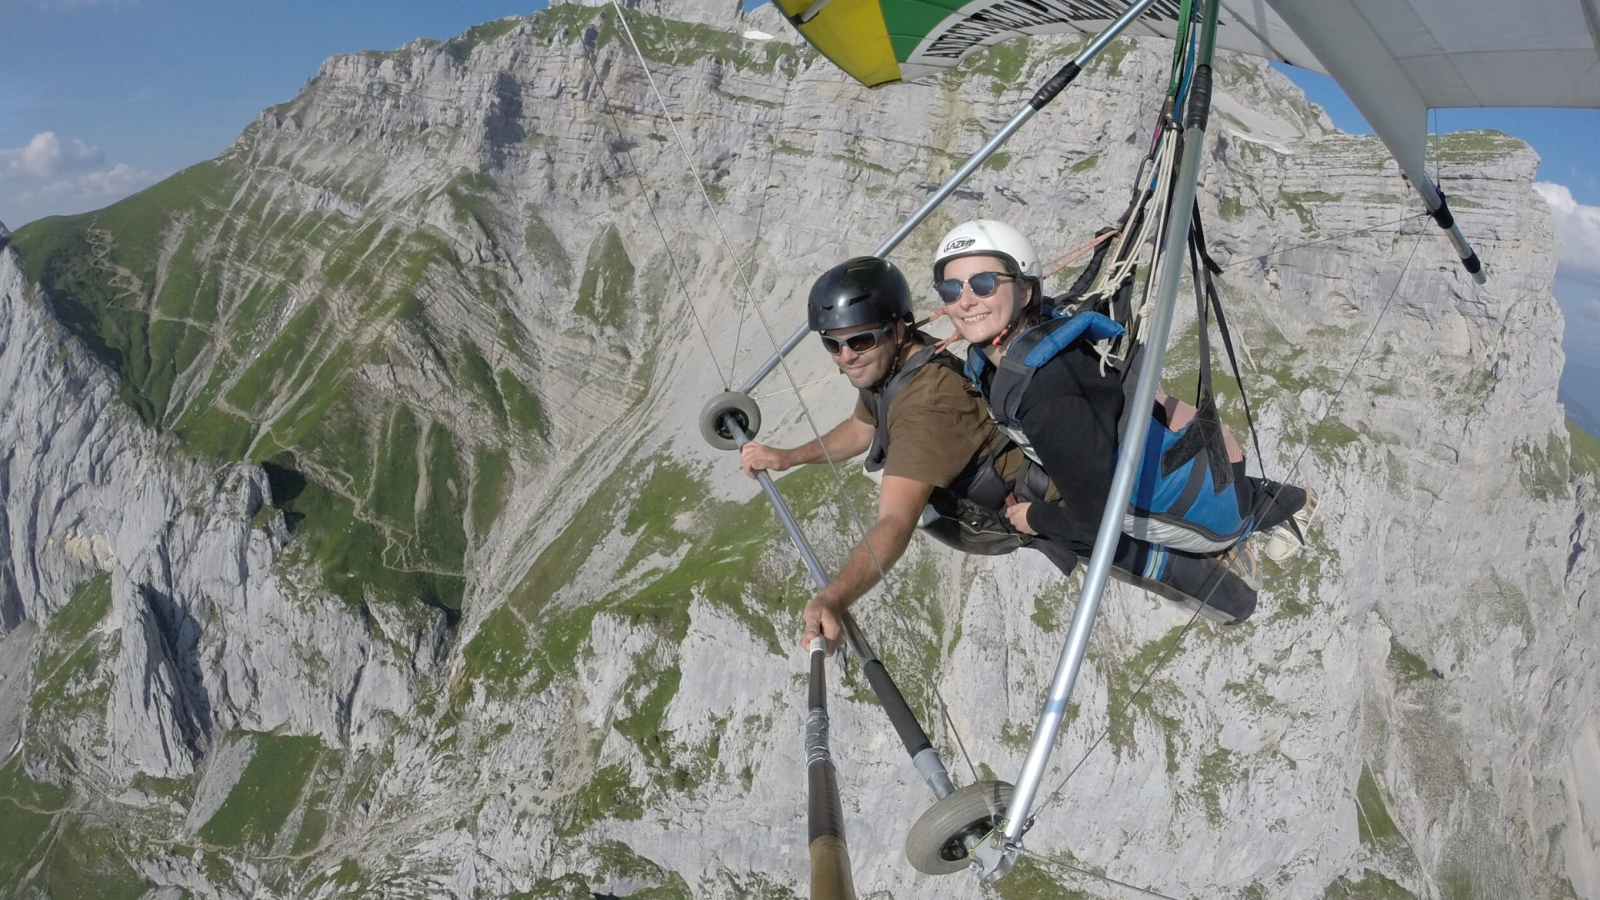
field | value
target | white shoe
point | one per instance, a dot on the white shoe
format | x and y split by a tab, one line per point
1241	561
1281	540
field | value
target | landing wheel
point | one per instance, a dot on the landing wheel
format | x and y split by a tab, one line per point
937	843
741	407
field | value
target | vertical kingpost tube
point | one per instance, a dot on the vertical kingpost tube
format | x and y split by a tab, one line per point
830	856
1134	433
912	735
1057	83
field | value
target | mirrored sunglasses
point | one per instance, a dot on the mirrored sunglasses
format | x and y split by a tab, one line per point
859	342
983	284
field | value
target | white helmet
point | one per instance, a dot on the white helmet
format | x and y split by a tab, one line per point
988	237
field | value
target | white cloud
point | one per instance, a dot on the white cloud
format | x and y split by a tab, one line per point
115	181
46	156
1579	227
1580	306
70	170
1577	286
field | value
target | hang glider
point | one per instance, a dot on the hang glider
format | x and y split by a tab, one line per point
1396	59
1450	53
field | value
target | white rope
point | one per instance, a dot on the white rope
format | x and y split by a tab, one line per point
1136	247
1154	234
644	193
688	159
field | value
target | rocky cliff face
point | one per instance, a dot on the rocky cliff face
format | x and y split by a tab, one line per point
356	537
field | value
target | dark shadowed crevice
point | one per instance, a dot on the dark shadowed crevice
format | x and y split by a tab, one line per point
176	643
503	129
1577	545
11	612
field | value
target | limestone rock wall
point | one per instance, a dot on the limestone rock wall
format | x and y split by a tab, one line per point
1411	713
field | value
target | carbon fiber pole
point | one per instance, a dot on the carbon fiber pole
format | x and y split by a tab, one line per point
830	856
912	737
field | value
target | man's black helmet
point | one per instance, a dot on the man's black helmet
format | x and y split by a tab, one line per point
865	290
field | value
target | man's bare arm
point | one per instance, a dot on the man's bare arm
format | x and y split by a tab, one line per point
900	505
849	438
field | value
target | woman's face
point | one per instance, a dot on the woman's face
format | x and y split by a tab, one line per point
982	319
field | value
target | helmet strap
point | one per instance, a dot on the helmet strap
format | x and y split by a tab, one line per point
1030	284
894	360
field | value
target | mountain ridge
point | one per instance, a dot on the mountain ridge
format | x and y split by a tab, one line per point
603	666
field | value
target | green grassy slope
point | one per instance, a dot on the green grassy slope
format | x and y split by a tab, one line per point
239	323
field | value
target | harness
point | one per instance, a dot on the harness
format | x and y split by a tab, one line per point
1183	496
1032	349
967	514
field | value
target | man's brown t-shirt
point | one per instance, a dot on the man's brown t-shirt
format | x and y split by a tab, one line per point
936	428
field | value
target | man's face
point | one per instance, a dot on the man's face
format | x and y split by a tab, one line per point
865	368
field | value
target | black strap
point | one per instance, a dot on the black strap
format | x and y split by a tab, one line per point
1442	216
1204	434
877	401
1012	374
1033	483
1209	271
1057	83
1204	387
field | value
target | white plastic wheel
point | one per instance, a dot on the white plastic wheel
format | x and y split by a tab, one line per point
741	407
937	845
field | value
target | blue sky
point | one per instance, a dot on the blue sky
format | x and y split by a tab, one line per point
153	86
103	97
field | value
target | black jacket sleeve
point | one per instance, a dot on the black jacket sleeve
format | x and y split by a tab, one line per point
1070	413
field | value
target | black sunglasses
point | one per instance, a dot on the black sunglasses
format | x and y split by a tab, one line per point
859	342
984	284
